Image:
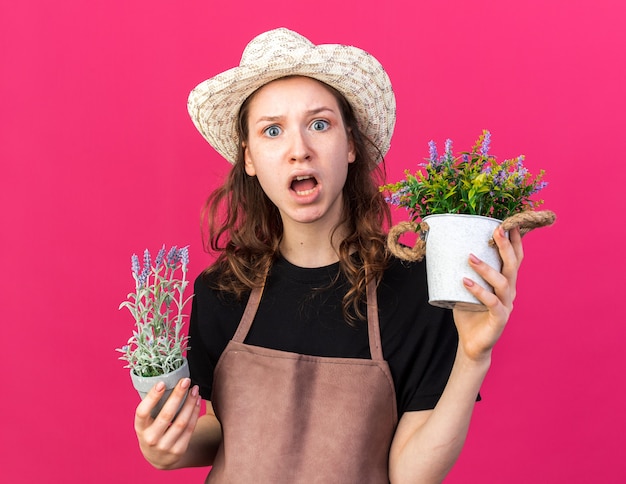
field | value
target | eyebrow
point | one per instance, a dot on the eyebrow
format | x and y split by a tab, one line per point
310	112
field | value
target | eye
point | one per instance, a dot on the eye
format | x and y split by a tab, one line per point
320	125
272	131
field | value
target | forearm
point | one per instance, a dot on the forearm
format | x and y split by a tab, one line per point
425	449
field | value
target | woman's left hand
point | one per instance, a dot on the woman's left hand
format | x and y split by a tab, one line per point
479	331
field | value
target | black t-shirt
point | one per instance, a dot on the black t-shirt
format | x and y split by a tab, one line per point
301	312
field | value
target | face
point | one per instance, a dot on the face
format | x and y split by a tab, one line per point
299	150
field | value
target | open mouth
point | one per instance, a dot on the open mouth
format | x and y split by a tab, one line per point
304	185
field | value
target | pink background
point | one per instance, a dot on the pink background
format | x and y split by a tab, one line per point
99	160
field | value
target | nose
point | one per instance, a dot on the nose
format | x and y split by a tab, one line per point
299	148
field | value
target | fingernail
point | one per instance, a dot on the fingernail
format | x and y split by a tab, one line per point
501	231
185	383
468	282
474	259
160	386
195	391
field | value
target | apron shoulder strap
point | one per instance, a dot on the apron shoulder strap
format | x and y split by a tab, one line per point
373	325
248	315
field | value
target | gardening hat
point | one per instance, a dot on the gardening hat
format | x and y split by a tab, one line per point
215	103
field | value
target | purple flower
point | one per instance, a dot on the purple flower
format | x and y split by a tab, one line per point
146	259
539	187
184	256
434	157
396	197
520	176
173	256
500	178
484	148
159	258
448	153
143	277
134	264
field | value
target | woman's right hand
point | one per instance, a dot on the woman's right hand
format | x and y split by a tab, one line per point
165	439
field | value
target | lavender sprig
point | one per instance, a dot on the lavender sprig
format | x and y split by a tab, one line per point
159	258
158	342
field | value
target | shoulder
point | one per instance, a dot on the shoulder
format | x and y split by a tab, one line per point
214	314
214	309
207	287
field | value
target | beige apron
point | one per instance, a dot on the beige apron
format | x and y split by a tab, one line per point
291	418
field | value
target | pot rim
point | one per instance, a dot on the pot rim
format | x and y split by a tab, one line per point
462	215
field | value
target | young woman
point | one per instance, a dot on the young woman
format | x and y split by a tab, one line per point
316	351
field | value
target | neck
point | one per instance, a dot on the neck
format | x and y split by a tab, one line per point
306	245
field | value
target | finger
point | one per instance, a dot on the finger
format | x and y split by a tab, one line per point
174	402
486	297
511	252
142	412
190	410
503	286
515	237
483	331
179	433
508	251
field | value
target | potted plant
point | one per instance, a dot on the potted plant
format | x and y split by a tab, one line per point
455	203
156	350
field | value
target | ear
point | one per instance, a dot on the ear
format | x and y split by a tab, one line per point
351	148
248	164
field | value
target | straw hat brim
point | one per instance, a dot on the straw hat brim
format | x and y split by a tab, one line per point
215	103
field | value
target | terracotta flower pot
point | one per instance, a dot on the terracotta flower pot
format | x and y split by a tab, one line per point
450	240
143	384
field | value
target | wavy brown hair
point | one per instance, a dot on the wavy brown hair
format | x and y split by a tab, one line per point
243	227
